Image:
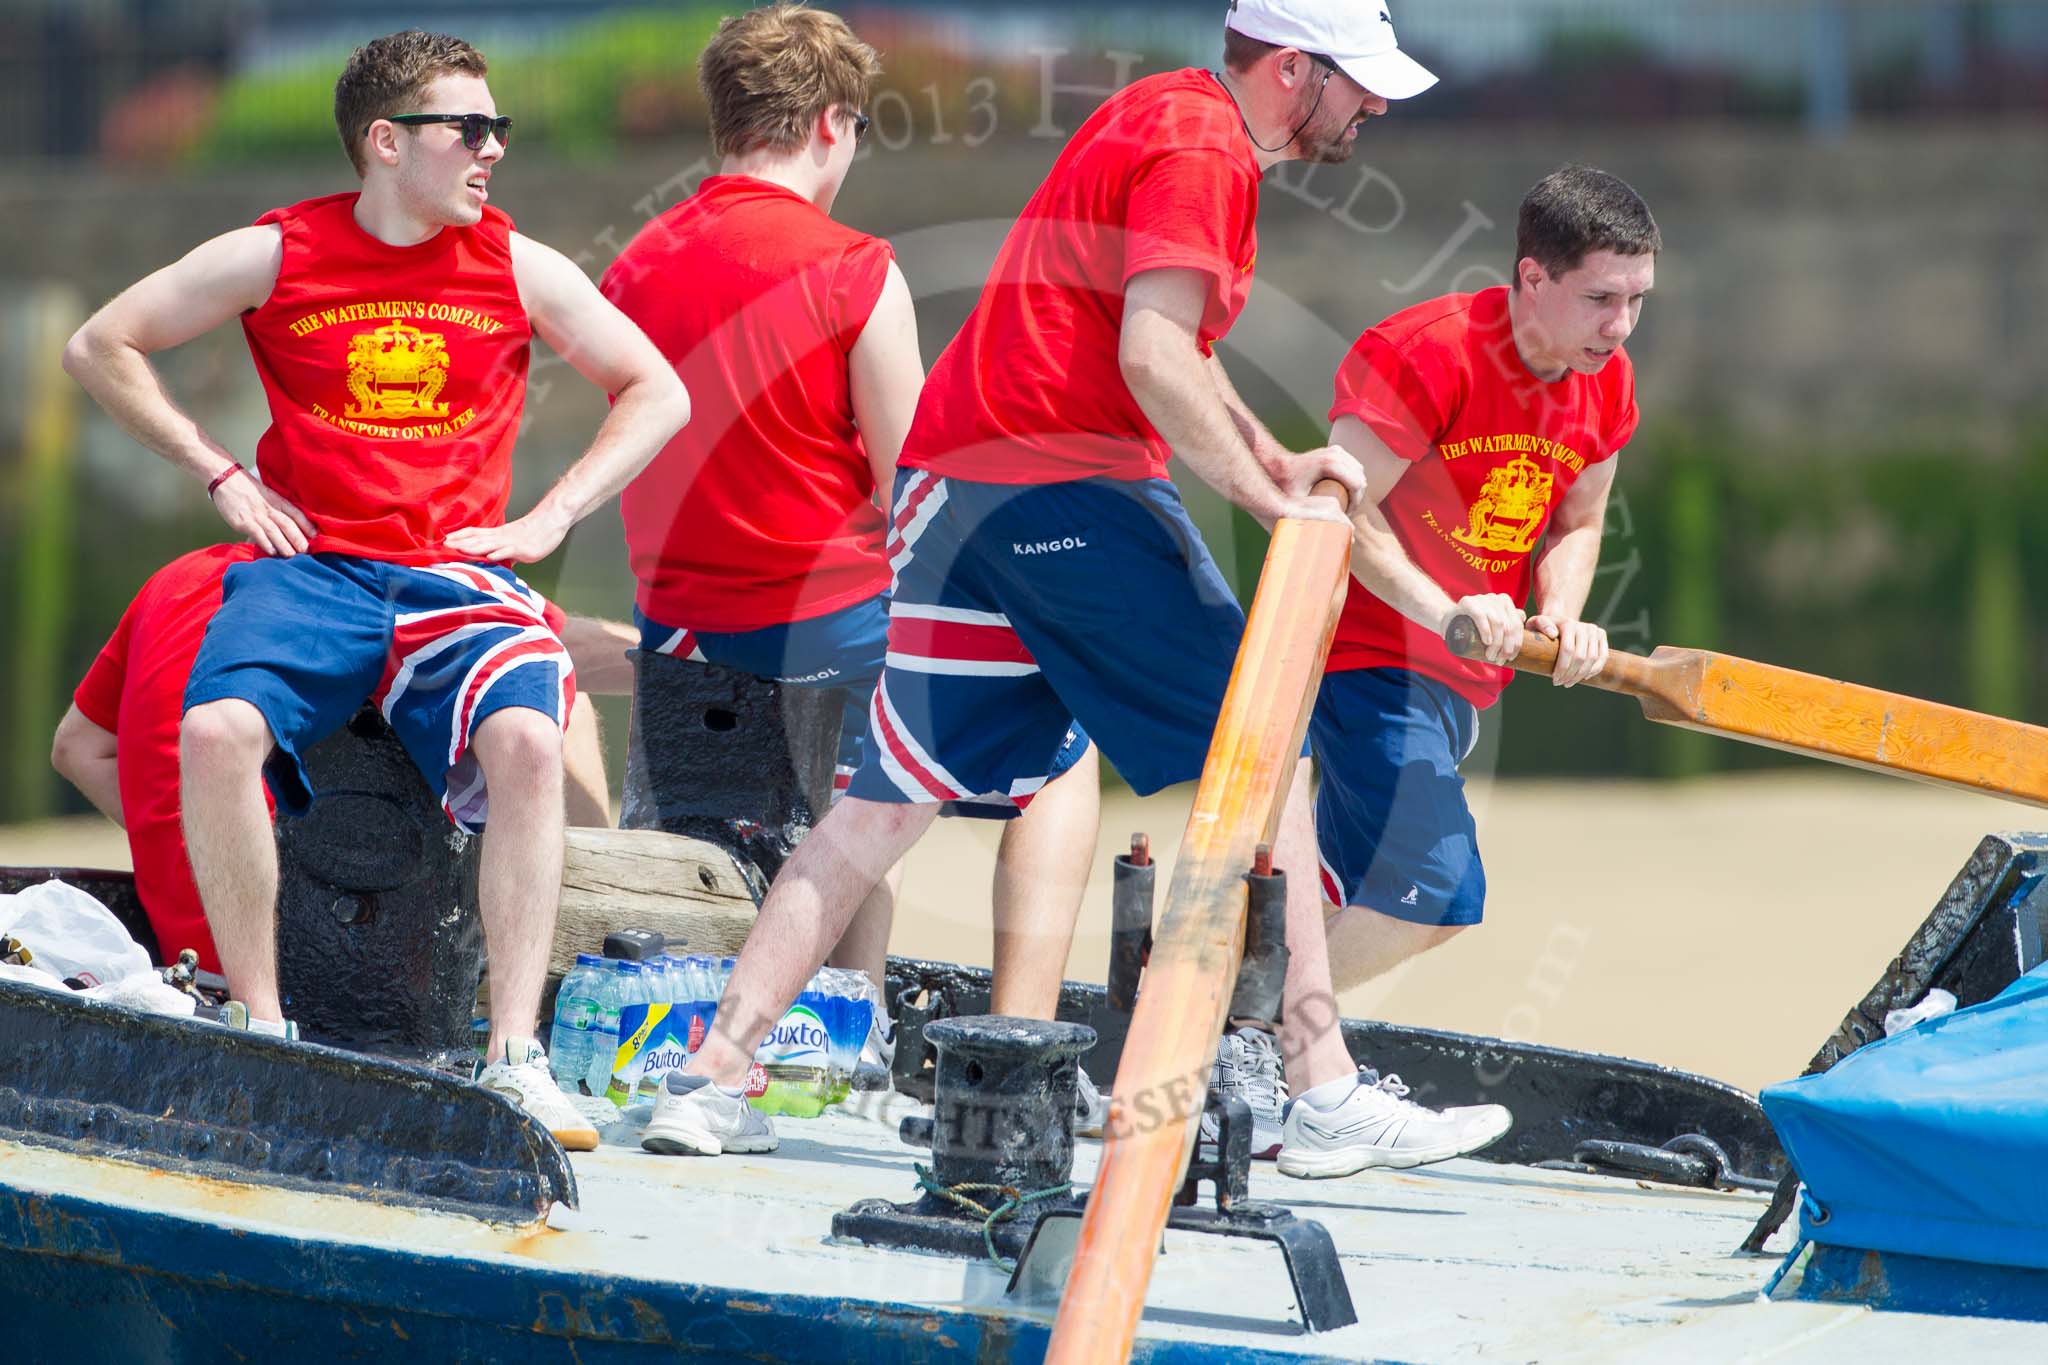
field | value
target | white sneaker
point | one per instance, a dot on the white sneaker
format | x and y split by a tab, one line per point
879	1049
1248	1066
1091	1107
693	1117
523	1077
235	1014
1377	1125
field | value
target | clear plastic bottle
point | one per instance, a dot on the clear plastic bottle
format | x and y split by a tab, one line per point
604	1036
569	1041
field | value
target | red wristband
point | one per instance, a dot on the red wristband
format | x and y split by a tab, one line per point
223	477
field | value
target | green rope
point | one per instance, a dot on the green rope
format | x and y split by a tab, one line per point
1013	1200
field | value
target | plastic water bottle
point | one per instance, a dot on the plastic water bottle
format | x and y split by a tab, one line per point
604	1033
797	1053
569	1042
633	982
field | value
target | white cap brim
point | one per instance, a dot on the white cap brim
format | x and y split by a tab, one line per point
1392	75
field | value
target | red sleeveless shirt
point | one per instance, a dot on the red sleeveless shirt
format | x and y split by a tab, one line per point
395	376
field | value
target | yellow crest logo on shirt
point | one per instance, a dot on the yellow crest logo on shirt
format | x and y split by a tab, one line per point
396	372
1510	508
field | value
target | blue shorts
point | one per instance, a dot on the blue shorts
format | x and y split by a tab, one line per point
842	649
307	640
1022	609
1392	825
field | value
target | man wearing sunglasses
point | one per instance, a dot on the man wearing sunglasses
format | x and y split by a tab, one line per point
1036	529
757	535
390	328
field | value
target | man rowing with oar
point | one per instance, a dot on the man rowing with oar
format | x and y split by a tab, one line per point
1484	422
391	329
1045	568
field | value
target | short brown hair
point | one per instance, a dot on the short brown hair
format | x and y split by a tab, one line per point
767	75
1577	210
1241	52
386	75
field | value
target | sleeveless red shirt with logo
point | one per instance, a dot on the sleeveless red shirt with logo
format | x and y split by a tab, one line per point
395	376
1493	451
1030	391
760	512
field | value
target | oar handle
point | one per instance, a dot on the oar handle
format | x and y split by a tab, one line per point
1330	488
1539	652
1632	674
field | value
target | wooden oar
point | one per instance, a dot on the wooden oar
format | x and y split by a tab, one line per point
1781	708
1163	1076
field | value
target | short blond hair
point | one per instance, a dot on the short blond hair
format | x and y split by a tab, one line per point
767	75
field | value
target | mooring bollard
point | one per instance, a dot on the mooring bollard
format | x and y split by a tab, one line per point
1002	1139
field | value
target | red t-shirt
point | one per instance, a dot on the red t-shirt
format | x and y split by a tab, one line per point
136	689
395	376
1161	175
1494	449
761	511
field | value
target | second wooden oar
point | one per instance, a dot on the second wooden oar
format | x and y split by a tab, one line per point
1782	708
1161	1081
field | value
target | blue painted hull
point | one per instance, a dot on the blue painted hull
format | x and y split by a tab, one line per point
111	1283
1925	1284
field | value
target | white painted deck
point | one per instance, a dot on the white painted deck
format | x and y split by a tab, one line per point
1460	1262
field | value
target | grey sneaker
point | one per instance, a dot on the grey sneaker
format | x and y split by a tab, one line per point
522	1076
235	1014
1377	1125
1248	1066
693	1117
1091	1107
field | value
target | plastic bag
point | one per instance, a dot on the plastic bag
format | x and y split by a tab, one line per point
72	934
145	991
30	976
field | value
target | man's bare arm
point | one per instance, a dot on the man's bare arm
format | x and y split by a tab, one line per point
887	374
1265	447
597	651
1564	576
213	283
1176	389
1381	563
601	344
84	754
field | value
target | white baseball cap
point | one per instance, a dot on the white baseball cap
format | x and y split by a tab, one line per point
1358	35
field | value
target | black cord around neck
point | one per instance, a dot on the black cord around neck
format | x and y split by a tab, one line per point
1287	141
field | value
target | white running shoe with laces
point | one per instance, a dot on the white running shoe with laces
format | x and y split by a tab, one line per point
522	1076
1248	1067
1378	1125
693	1117
1091	1107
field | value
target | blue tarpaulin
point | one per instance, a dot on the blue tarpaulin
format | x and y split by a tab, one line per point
1933	1142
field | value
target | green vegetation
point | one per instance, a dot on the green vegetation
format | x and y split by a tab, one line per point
586	90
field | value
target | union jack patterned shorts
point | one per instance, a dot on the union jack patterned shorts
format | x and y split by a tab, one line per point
1023	611
437	649
843	650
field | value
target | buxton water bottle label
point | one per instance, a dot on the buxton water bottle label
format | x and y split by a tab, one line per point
799	1039
653	1041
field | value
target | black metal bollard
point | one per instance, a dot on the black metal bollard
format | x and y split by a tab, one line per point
379	943
724	756
1262	974
1005	1100
1003	1131
1130	925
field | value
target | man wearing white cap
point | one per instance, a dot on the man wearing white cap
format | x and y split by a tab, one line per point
1046	572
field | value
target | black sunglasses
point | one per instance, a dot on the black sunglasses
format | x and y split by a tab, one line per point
861	124
474	126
